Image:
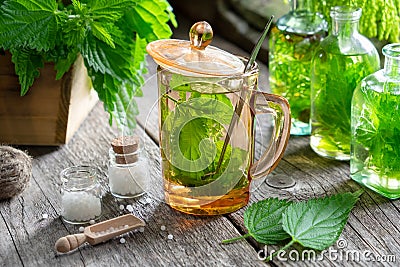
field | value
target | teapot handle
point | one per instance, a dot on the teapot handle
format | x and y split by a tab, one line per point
264	103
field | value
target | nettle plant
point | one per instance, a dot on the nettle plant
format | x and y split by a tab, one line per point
110	35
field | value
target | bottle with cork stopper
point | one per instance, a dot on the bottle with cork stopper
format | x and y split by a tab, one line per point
128	167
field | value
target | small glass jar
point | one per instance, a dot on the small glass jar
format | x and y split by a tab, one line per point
128	171
375	126
344	58
80	195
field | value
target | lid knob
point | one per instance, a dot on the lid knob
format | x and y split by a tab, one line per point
201	35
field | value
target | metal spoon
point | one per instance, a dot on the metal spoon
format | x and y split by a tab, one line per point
240	103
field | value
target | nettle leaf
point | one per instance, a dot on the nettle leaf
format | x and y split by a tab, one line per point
102	33
149	18
63	64
318	223
263	220
107	60
27	64
118	99
109	10
28	23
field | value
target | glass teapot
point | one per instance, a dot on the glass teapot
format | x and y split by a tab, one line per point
207	108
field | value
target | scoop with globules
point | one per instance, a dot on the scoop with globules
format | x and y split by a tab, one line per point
100	232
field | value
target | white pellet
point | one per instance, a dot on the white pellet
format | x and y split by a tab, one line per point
81	229
170	237
80	206
45	216
126	226
148	200
129	208
141	229
122	240
121	207
163	227
92	221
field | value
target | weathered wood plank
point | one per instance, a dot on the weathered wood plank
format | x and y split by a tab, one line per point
196	240
32	236
9	255
315	177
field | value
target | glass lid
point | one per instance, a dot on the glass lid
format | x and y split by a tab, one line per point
195	56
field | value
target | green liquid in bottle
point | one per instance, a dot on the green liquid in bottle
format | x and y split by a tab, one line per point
290	65
375	159
335	76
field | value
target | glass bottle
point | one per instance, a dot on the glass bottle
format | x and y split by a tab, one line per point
128	167
293	42
375	128
80	195
344	58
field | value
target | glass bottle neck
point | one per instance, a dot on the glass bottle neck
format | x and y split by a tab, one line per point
392	67
298	5
344	27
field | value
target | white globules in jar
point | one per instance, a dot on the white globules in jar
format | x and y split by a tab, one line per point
80	195
80	206
128	168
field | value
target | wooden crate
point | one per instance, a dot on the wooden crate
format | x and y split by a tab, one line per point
51	111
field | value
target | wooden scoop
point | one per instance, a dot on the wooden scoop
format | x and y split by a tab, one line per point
99	232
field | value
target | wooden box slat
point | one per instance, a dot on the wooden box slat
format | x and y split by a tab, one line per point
51	111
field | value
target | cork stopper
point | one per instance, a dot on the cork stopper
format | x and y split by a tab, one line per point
125	149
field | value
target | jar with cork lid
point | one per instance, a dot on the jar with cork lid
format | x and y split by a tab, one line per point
128	167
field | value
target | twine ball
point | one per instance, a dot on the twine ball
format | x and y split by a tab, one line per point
15	171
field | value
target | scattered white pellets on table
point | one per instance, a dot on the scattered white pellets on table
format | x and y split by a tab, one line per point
163	227
129	208
122	240
45	216
81	229
121	207
91	221
170	237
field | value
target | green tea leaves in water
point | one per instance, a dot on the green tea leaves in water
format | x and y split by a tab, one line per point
375	159
290	71
195	130
334	79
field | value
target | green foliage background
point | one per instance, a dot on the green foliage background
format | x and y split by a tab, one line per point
380	18
111	36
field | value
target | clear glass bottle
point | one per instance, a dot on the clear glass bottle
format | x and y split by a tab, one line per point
80	195
128	168
344	58
375	128
293	42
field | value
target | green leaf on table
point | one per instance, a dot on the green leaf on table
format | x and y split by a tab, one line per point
27	65
29	23
318	223
263	220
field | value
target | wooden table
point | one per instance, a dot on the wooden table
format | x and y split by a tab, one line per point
373	228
